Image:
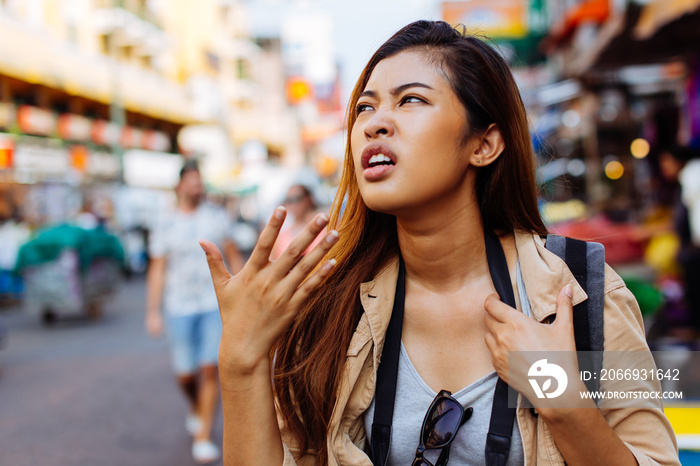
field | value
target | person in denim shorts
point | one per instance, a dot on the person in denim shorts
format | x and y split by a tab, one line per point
181	300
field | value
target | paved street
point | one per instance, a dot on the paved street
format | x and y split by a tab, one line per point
90	392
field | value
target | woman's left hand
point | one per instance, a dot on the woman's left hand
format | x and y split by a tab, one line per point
512	333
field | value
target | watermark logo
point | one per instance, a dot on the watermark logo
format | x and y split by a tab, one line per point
541	369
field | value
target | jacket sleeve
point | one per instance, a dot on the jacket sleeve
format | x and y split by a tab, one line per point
643	427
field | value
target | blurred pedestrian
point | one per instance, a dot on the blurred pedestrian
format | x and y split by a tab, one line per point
301	206
179	285
682	164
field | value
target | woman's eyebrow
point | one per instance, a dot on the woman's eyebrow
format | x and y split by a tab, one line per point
395	91
399	89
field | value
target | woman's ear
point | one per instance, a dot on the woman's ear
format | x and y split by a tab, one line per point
490	146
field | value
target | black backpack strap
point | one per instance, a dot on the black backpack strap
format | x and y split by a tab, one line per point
586	260
386	376
498	439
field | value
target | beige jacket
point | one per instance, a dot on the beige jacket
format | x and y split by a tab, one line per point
646	432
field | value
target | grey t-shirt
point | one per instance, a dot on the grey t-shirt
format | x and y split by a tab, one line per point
413	398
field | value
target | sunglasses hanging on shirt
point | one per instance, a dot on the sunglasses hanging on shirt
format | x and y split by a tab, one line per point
442	421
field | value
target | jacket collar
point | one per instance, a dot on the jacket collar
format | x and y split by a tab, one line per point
544	274
377	298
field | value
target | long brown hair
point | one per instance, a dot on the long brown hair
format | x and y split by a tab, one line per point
310	355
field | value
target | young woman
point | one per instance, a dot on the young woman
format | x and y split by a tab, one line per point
438	162
301	206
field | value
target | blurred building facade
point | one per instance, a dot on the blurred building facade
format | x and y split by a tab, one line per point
86	78
83	89
99	94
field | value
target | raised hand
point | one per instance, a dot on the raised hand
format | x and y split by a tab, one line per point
261	301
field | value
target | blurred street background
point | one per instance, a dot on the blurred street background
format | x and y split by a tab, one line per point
101	102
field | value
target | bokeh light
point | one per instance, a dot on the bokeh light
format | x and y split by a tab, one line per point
614	170
639	148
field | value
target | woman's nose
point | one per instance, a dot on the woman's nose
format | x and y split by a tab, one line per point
380	124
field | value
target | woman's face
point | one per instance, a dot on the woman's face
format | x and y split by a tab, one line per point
298	202
407	142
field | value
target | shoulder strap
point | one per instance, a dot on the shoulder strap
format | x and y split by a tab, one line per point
498	439
586	260
386	375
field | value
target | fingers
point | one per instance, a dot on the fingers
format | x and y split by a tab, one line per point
215	261
295	250
303	292
260	256
301	270
565	309
491	343
499	310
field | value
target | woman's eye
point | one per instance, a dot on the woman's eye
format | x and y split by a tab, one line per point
362	108
411	99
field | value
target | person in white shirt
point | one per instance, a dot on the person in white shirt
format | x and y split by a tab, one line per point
181	299
683	164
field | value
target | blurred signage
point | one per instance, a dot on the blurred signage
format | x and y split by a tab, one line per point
7	114
328	96
74	127
104	133
103	164
40	159
34	120
495	18
7	148
151	169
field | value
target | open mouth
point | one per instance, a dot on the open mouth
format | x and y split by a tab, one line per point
379	159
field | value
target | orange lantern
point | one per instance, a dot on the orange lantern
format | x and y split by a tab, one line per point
79	158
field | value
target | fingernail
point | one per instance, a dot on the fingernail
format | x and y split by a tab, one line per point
279	212
330	264
332	236
321	220
569	291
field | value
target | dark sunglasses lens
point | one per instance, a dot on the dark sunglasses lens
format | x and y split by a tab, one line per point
442	423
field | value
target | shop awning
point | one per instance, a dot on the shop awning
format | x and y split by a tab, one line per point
672	32
659	13
657	32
